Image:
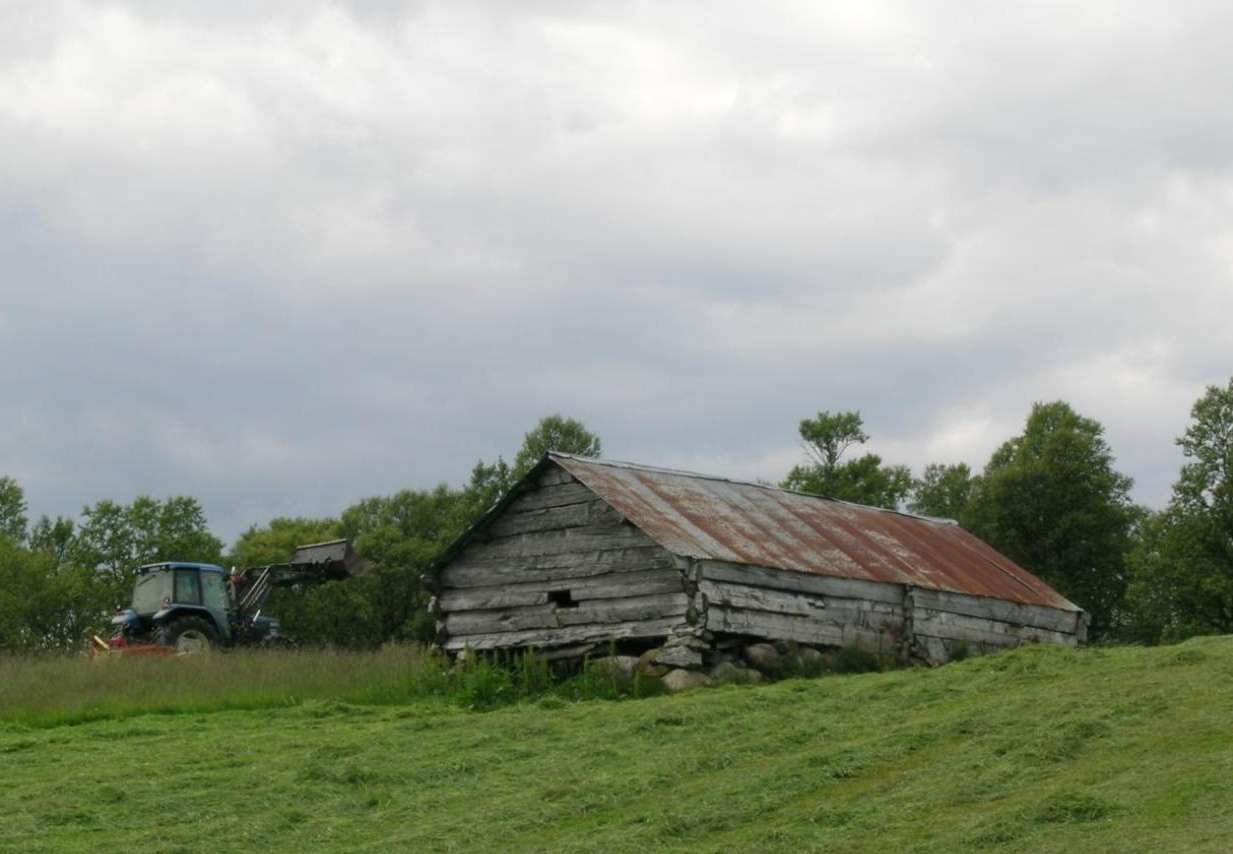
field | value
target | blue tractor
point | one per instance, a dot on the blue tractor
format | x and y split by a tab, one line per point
192	607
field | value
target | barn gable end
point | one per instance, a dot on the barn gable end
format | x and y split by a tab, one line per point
584	553
556	566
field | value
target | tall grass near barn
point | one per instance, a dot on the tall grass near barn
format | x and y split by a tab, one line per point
50	690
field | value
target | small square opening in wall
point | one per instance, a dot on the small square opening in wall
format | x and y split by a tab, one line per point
562	599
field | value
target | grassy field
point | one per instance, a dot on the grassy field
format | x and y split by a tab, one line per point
39	692
1042	749
44	692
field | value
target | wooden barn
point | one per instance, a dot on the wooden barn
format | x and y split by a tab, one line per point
585	555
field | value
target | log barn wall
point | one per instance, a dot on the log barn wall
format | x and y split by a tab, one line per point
558	567
890	619
575	558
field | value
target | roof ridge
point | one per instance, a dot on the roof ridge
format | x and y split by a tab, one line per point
625	464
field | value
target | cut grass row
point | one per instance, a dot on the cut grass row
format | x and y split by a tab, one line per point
1041	749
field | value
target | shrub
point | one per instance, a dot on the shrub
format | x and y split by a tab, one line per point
851	659
484	684
489	681
531	674
597	681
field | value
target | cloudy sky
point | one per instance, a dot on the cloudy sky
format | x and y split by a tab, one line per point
281	259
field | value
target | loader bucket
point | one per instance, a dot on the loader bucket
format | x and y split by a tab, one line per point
336	557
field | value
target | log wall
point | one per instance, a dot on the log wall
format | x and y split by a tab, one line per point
559	567
884	618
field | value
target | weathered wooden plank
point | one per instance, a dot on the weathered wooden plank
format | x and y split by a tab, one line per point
622	610
592	611
833	609
931	622
872	640
593	515
933	649
803	582
607	586
553	475
473	572
925	621
569	541
575	651
997	609
552	496
550	637
729	595
943	624
877	616
636	558
973	636
513	522
774	626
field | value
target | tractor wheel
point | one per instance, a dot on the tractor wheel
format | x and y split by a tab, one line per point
188	635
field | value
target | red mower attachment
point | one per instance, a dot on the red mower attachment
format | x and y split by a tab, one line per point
118	645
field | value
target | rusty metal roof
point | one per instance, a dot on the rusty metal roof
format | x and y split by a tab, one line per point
712	518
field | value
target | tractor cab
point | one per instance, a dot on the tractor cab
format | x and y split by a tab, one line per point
183	606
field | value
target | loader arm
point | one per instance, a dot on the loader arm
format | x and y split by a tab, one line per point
315	564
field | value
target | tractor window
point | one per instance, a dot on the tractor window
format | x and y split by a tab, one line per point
215	591
188	587
151	589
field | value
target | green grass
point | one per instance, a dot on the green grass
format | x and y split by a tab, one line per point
48	691
1040	750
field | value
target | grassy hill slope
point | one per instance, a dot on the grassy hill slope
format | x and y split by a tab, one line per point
1041	749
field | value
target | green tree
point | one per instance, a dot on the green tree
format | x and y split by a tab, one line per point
1051	500
44	606
946	491
173	529
1171	595
53	537
400	536
488	482
105	538
277	541
555	433
864	480
12	510
1205	487
1182	566
116	538
336	613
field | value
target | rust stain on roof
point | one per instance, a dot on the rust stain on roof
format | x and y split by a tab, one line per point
711	518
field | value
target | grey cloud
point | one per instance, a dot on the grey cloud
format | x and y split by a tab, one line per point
288	256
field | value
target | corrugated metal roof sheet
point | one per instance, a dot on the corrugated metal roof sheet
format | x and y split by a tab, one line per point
711	518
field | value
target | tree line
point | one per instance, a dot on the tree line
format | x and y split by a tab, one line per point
1050	498
60	579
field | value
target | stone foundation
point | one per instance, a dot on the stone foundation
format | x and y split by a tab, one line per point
697	657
